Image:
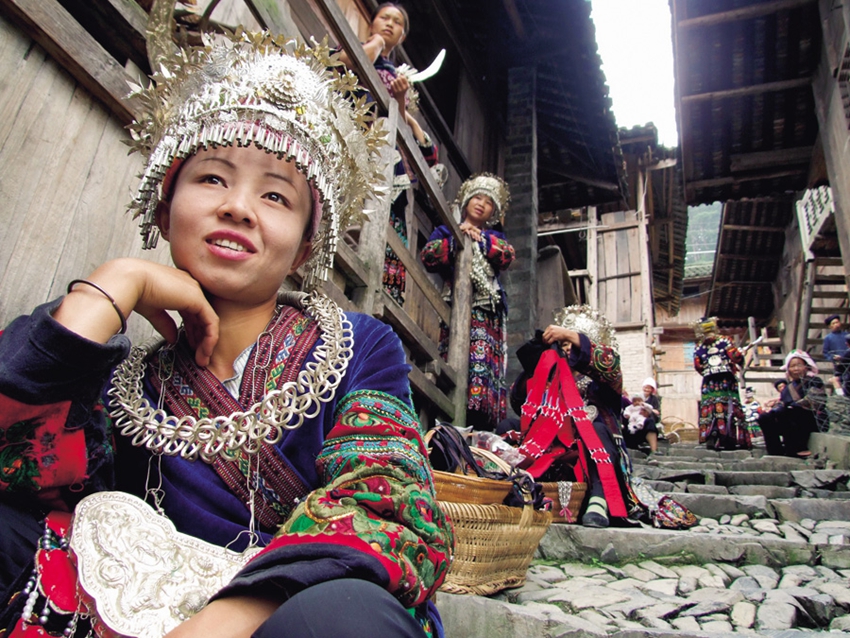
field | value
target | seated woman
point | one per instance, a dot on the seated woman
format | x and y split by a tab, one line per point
274	424
639	425
787	426
571	417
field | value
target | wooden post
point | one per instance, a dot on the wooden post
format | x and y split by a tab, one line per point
806	304
592	258
459	336
373	233
753	334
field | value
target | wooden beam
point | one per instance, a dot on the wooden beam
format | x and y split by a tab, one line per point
761	229
132	13
274	16
729	180
747	257
620	275
47	22
350	263
740	284
415	338
582	179
425	387
769	159
516	19
618	226
746	13
754	89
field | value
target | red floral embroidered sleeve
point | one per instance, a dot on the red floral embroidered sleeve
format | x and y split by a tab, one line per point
438	254
497	250
53	442
378	497
600	362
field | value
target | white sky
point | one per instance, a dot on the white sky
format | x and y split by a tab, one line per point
633	37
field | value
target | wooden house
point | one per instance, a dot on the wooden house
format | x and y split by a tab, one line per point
762	103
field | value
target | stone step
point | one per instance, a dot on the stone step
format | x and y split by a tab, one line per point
617	545
762	464
818	509
571	600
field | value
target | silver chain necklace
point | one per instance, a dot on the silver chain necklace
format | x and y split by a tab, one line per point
226	436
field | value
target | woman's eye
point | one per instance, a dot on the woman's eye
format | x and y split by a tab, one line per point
212	179
277	198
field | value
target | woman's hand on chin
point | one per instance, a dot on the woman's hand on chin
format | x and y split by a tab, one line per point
150	289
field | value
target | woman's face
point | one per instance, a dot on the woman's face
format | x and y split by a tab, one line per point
479	210
797	368
389	24
237	222
648	390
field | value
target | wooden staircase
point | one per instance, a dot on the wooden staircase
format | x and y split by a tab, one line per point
825	295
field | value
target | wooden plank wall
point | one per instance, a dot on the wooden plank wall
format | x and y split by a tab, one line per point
619	282
65	181
620	271
678	383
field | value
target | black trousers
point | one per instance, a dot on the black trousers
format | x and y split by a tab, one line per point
786	432
348	608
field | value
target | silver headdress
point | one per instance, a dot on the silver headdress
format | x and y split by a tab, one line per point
485	184
250	90
704	326
588	322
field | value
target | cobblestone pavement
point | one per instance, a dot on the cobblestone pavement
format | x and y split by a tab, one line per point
770	557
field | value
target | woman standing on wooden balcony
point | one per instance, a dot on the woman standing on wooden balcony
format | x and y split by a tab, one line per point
389	28
483	198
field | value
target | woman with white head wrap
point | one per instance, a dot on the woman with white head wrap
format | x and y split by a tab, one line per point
787	427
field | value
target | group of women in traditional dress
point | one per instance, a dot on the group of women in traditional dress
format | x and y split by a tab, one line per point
727	424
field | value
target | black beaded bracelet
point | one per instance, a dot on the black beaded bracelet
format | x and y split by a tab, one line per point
105	294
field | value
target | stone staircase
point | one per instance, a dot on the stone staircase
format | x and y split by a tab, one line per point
770	557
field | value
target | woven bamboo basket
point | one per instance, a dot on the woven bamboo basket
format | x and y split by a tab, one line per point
463	488
577	492
459	488
494	545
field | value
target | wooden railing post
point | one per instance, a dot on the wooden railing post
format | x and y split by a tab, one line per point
372	245
459	335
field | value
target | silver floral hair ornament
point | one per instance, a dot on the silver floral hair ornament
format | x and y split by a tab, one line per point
589	322
487	184
704	327
250	89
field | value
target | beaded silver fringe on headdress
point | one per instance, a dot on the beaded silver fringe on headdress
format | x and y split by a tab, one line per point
589	322
250	89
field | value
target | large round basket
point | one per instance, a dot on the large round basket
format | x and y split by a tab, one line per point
494	545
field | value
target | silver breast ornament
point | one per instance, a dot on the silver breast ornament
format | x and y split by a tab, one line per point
144	576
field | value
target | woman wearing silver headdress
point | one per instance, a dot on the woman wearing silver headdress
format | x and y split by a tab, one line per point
273	434
583	373
722	424
483	200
